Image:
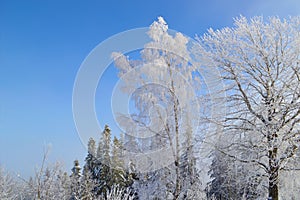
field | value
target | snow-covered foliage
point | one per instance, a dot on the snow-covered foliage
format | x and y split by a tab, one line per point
8	189
118	193
164	86
259	62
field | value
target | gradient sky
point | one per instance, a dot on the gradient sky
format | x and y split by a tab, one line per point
43	43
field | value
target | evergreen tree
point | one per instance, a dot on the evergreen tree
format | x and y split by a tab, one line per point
89	179
90	159
117	164
103	168
75	181
88	187
232	179
188	171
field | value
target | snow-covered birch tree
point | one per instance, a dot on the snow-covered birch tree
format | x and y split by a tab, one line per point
260	63
162	85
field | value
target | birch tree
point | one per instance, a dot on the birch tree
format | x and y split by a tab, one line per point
162	85
260	64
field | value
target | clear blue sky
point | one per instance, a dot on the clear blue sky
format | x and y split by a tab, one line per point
43	43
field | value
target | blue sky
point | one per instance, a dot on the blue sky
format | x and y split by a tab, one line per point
43	43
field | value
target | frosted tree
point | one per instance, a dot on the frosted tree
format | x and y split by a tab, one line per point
163	82
120	175
289	182
90	160
53	183
259	62
88	186
75	181
89	177
103	165
49	182
117	193
232	179
7	186
62	184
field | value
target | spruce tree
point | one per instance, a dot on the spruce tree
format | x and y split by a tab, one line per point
75	181
89	179
90	160
117	165
103	168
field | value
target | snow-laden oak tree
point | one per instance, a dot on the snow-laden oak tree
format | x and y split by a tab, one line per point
162	85
260	64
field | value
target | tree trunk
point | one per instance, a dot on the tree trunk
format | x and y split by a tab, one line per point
273	191
273	175
175	110
273	161
177	186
